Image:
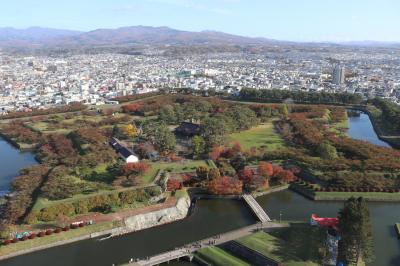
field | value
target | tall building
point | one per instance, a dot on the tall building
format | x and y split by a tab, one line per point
338	76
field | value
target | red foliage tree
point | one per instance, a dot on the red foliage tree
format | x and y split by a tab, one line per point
173	185
131	108
265	169
136	168
225	185
216	152
246	175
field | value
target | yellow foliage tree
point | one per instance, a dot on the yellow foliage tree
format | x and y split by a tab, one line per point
131	131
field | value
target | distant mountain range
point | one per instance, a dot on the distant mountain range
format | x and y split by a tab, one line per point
144	35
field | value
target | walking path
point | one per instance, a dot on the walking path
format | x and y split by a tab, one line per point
188	250
257	209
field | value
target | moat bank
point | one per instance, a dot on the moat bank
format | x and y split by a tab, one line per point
209	218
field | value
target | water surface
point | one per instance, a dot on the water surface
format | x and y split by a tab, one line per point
360	127
211	217
11	162
288	205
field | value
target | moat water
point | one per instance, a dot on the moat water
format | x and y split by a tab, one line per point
209	218
11	162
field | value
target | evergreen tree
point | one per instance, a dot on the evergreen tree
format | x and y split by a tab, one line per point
356	235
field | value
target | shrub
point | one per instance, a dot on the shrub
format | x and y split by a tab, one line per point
32	236
49	232
7	242
24	238
41	234
58	230
14	240
74	226
81	225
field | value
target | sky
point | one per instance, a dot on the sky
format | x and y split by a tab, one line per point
295	20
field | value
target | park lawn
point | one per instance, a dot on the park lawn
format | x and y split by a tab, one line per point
218	257
369	196
73	233
273	248
176	167
262	135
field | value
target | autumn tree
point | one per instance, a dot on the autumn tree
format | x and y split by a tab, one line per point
246	175
214	173
225	185
138	168
131	131
265	169
173	185
202	172
216	152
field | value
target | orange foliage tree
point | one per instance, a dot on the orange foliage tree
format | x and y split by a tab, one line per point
265	169
225	185
136	168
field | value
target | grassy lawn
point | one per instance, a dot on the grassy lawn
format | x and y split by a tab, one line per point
218	257
342	196
57	237
262	135
178	167
290	253
370	196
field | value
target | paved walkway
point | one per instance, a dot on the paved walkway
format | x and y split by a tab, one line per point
256	208
188	250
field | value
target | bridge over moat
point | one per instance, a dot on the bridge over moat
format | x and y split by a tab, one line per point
256	208
189	249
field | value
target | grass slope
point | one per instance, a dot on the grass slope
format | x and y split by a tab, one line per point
262	135
290	253
218	257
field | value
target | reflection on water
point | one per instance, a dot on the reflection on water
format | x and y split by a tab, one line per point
360	127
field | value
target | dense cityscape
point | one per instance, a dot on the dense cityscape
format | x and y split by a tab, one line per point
28	82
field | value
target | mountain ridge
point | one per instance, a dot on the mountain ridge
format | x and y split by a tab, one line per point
144	35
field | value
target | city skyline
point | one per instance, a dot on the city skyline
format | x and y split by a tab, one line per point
309	21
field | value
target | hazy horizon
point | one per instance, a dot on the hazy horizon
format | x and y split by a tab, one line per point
305	21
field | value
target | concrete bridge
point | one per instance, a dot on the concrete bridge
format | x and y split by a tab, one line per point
256	208
188	250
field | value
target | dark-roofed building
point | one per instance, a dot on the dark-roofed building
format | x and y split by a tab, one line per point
188	129
124	153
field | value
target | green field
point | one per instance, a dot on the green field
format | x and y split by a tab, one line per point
369	196
262	135
342	196
57	237
178	167
218	257
293	253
